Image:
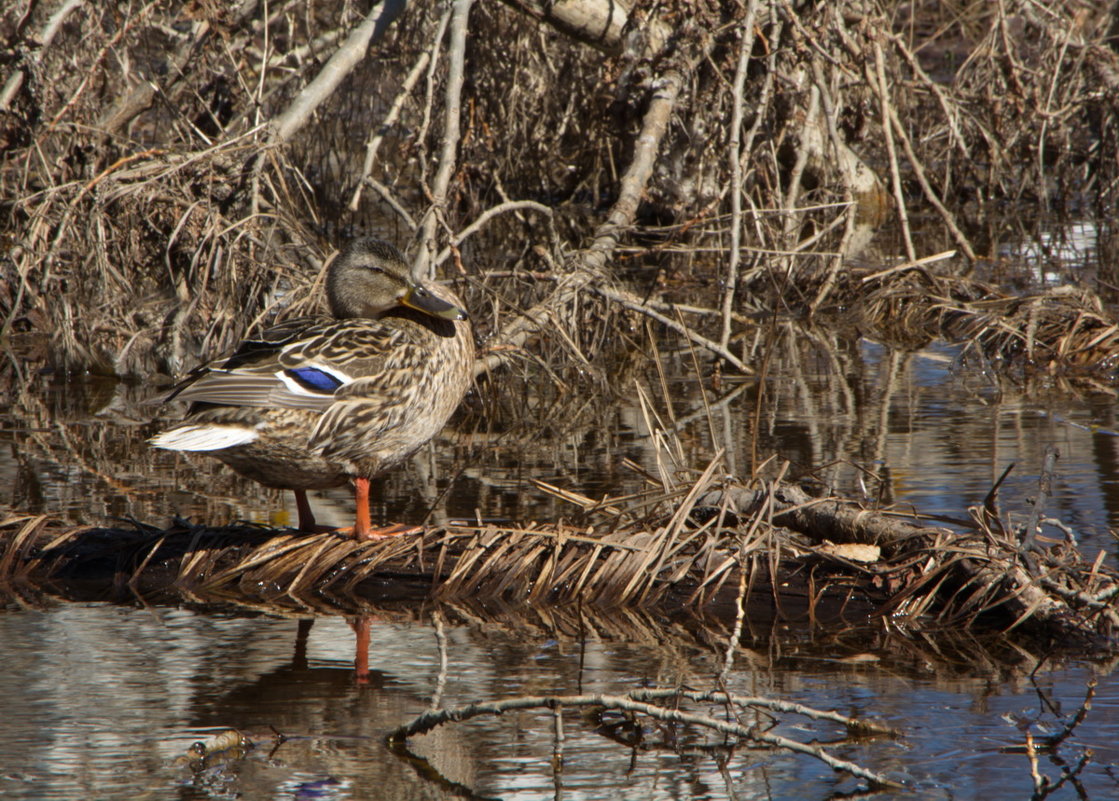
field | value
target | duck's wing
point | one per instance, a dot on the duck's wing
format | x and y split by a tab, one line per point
252	351
294	367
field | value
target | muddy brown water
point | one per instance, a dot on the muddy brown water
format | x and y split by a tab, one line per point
105	701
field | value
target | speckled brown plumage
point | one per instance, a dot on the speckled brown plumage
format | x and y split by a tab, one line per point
313	402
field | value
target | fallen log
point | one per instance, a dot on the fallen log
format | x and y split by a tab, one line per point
711	548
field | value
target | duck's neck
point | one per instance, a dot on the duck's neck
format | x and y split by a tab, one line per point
436	325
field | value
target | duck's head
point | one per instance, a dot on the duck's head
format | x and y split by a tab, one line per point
370	278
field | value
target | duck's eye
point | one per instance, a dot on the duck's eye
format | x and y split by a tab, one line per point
419	292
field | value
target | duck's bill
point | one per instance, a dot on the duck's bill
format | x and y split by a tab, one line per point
421	300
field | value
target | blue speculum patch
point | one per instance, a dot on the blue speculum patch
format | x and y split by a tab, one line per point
314	379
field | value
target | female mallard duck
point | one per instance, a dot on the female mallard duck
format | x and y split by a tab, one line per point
313	402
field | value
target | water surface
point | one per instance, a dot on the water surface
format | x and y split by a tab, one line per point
104	701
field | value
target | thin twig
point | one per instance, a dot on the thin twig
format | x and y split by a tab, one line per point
485	217
631	301
432	719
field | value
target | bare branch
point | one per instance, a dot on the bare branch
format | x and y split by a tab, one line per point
485	217
340	65
452	111
930	194
397	104
598	23
587	265
736	156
